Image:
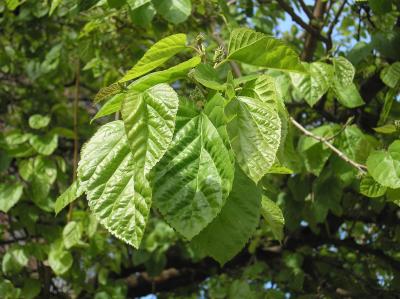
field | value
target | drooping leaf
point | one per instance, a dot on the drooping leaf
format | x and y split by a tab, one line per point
166	76
207	76
119	199
227	234
38	121
344	71
10	194
159	53
313	85
174	11
149	120
251	47
67	197
111	106
348	95
391	75
384	166
370	188
254	130
194	178
107	92
273	216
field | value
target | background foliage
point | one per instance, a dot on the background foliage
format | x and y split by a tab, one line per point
328	229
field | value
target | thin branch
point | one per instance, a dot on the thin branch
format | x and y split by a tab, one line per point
310	29
334	22
305	8
361	168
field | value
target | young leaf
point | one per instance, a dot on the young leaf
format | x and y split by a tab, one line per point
273	217
207	76
119	199
258	49
174	11
227	234
370	188
38	121
166	76
159	53
149	119
315	84
384	166
344	71
194	178
254	130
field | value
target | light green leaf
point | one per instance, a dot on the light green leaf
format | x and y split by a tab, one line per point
166	76
108	91
120	201
194	178
54	5
228	233
60	260
391	75
149	120
348	95
159	53
344	71
258	49
72	234
386	129
38	121
10	194
67	197
370	188
174	11
45	144
384	166
254	130
8	290
206	75
14	260
315	84
13	4
111	106
273	217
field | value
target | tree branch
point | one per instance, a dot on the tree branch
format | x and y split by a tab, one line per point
333	24
306	10
361	168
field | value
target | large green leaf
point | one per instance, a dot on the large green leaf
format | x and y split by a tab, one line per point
273	216
120	200
344	71
348	95
159	53
149	119
174	11
384	166
194	178
254	130
258	49
10	194
227	234
315	84
166	76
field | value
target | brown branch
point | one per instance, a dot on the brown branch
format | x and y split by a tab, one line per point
361	168
306	10
333	24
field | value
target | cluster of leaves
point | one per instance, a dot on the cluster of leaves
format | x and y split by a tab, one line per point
219	138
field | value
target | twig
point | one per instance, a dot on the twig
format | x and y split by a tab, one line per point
348	122
361	168
333	24
76	137
306	9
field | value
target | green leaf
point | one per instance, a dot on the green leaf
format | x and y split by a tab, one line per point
206	75
120	201
13	4
391	75
166	76
384	166
8	290
111	106
194	178
142	15
108	91
149	119
14	260
258	49
344	71
38	121
348	95
273	217
174	11
159	53
10	194
254	130
313	85
60	260
54	5
45	144
31	288
67	197
386	129
370	188
228	233
72	234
